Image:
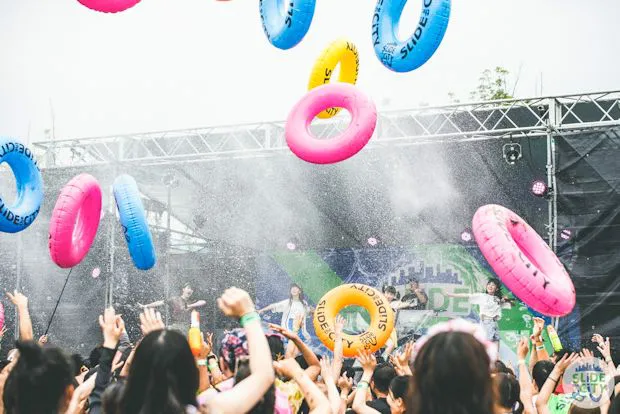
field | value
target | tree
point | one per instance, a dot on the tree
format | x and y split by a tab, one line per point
492	86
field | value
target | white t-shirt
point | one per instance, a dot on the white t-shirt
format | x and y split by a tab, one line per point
297	308
490	306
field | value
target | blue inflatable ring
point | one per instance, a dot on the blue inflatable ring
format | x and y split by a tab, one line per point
415	51
24	211
286	22
133	220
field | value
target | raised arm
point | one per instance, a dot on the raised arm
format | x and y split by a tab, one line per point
458	295
314	367
152	305
25	323
317	402
197	304
244	395
525	382
552	382
338	346
368	362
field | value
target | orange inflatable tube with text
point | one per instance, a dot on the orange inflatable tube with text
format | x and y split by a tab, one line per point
381	318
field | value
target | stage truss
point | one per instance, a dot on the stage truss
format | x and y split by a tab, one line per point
515	119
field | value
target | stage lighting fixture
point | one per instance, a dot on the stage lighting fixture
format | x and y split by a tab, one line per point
566	234
372	241
96	272
466	235
539	188
291	246
170	180
512	152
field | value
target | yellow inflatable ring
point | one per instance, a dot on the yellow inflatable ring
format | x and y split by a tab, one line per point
381	318
340	51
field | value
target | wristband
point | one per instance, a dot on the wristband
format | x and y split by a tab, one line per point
212	366
540	347
521	361
362	385
201	362
608	359
553	379
249	318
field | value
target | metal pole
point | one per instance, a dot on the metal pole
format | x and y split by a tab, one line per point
553	124
18	276
168	245
111	239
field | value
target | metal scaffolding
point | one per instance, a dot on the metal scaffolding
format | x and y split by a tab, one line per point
516	118
542	117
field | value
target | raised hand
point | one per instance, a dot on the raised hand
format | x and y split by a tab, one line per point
283	331
339	324
326	369
566	360
287	367
150	321
367	361
112	326
345	383
539	324
235	302
43	339
18	299
523	348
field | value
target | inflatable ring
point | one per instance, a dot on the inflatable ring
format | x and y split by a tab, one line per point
523	261
109	6
75	220
415	51
133	220
286	22
340	51
24	211
345	145
381	318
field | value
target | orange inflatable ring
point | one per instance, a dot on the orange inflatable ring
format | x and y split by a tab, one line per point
381	318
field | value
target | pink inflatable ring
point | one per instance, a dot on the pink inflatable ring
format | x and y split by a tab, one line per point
109	6
523	261
75	220
348	143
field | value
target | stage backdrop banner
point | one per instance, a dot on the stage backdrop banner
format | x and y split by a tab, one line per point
439	269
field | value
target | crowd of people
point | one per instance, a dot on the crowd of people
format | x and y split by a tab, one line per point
259	368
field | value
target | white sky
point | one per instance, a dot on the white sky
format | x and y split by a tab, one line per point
168	64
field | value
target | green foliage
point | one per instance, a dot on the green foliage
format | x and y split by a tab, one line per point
492	85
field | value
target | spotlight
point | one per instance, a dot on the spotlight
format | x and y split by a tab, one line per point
170	180
466	235
291	246
96	272
566	234
512	153
539	188
372	241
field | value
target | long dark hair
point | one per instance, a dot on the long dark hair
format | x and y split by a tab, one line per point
38	380
508	392
498	289
266	404
302	297
163	377
450	358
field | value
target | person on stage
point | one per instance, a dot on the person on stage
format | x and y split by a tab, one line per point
491	303
416	298
179	308
295	307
